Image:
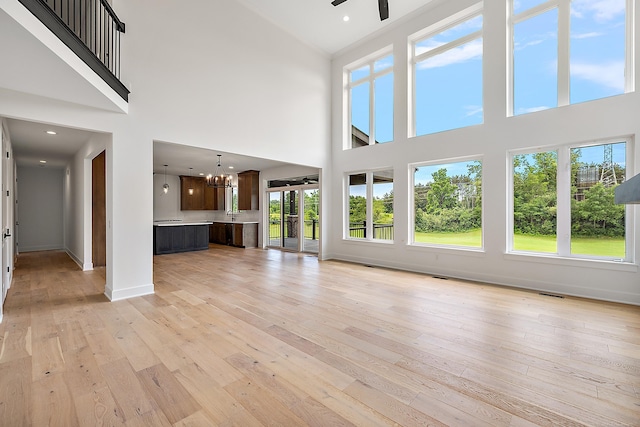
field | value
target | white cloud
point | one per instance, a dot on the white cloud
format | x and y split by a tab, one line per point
456	55
586	35
473	110
610	74
519	46
603	10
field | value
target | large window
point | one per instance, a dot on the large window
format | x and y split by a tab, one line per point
447	201
569	51
569	210
370	215
447	64
371	102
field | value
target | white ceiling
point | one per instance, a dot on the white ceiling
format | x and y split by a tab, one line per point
31	143
179	158
320	24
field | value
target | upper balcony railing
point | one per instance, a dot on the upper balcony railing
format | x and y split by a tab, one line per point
91	29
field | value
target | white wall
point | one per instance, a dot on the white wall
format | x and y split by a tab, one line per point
222	78
40	208
605	118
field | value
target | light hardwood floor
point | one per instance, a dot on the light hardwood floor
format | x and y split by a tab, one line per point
252	337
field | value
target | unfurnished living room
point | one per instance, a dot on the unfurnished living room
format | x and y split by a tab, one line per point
348	212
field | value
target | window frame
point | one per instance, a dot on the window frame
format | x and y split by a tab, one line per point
563	201
564	48
431	31
369	173
369	61
412	211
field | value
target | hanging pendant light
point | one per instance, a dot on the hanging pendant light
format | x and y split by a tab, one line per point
220	178
165	187
190	182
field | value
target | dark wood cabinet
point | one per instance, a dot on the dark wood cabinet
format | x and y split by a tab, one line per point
220	233
203	197
180	238
249	190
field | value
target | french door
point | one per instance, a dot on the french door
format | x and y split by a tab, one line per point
293	219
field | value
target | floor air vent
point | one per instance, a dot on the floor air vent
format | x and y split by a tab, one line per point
440	277
544	294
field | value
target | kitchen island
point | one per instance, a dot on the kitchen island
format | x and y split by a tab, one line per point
176	236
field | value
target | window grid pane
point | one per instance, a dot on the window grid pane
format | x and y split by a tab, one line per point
448	204
360	115
535	60
597	51
535	202
384	108
358	206
383	205
449	89
597	223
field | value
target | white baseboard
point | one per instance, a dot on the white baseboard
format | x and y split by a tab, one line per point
120	294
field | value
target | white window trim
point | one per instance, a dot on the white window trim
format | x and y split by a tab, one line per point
369	217
564	48
370	78
563	219
460	17
412	217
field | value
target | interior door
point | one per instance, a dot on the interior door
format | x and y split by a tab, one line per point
99	211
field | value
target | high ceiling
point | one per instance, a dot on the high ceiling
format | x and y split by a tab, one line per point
320	24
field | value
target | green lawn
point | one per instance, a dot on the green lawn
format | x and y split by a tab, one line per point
599	246
468	238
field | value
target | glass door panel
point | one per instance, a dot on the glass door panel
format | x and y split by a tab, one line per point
291	219
275	219
311	223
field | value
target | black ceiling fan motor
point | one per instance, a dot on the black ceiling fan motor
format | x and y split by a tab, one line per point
383	7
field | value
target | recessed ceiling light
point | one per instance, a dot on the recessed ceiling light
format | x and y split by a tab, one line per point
230	167
346	18
43	161
52	132
201	174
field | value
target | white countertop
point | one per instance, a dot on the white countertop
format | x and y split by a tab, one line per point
175	223
171	223
235	222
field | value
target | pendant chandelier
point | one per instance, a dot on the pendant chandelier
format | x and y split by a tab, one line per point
190	182
220	178
165	187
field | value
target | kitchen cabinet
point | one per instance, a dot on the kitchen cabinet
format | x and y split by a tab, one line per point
240	234
203	197
180	238
221	233
249	190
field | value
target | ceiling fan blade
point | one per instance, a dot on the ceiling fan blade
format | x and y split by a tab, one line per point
383	7
337	2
